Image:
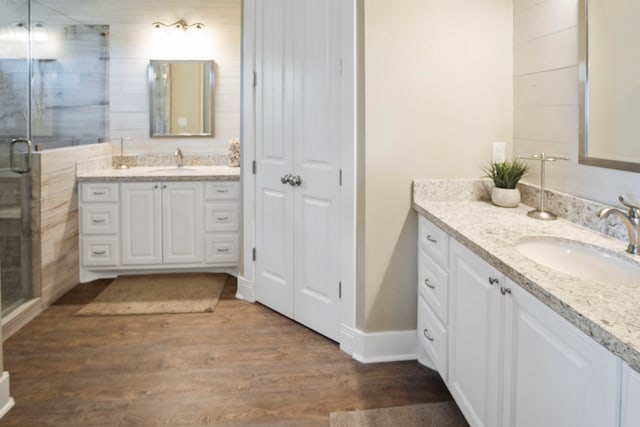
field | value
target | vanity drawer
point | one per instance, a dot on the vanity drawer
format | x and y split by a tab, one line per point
222	217
433	284
434	241
99	219
222	248
99	251
222	190
432	335
98	192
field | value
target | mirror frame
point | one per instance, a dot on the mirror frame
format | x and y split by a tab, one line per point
150	81
583	76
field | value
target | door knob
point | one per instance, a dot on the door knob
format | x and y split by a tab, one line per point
295	180
286	179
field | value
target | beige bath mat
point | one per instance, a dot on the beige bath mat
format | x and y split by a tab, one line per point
441	414
158	293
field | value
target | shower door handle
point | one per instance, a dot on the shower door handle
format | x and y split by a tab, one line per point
25	167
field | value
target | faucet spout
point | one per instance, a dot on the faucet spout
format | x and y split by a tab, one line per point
179	158
631	222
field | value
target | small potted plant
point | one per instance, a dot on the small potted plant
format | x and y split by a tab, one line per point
505	176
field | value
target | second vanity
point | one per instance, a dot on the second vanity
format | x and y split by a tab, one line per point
517	343
150	219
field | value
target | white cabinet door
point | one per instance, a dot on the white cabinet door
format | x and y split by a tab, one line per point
555	375
298	132
475	330
141	223
630	397
182	222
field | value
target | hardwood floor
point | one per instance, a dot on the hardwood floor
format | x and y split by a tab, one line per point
242	365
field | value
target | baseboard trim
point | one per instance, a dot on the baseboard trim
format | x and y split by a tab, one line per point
6	401
375	347
20	317
246	290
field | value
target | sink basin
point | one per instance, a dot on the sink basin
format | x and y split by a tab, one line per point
580	260
173	170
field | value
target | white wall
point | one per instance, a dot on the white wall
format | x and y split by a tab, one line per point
438	91
546	103
133	42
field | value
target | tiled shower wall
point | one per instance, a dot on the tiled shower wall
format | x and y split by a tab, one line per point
69	97
55	219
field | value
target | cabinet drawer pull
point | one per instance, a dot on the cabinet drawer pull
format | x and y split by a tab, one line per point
429	285
431	239
222	218
223	250
98	221
493	280
426	334
504	290
99	252
222	191
99	193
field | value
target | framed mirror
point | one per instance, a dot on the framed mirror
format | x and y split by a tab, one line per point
181	98
610	89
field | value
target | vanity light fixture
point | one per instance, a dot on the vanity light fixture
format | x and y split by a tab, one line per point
181	24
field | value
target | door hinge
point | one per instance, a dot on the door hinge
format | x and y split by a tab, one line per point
339	290
340	177
254	254
255	78
340	67
254	167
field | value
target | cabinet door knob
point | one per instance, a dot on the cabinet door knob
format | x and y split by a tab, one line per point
426	334
504	290
493	280
431	239
428	284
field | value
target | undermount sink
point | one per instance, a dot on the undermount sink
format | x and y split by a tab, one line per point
580	260
173	169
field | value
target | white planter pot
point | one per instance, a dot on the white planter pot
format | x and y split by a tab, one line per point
505	197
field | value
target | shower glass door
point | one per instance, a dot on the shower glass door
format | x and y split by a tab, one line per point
15	176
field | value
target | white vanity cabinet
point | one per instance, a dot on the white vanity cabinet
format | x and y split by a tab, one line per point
158	225
630	409
162	223
222	222
475	326
99	225
433	291
514	362
554	374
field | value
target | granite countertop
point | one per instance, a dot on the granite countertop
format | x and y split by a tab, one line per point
607	312
160	173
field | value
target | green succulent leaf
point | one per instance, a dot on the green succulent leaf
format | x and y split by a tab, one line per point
507	174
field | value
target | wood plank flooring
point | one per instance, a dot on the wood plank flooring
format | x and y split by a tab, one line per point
242	365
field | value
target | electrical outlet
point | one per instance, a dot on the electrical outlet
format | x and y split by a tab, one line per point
499	152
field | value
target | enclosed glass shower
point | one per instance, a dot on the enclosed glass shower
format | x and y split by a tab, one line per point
53	93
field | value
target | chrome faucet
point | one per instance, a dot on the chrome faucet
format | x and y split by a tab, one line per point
179	158
630	219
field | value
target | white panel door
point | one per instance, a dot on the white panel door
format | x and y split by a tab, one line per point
317	101
475	331
141	223
298	114
182	222
274	154
555	375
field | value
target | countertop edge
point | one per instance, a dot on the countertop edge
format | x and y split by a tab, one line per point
141	178
625	351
